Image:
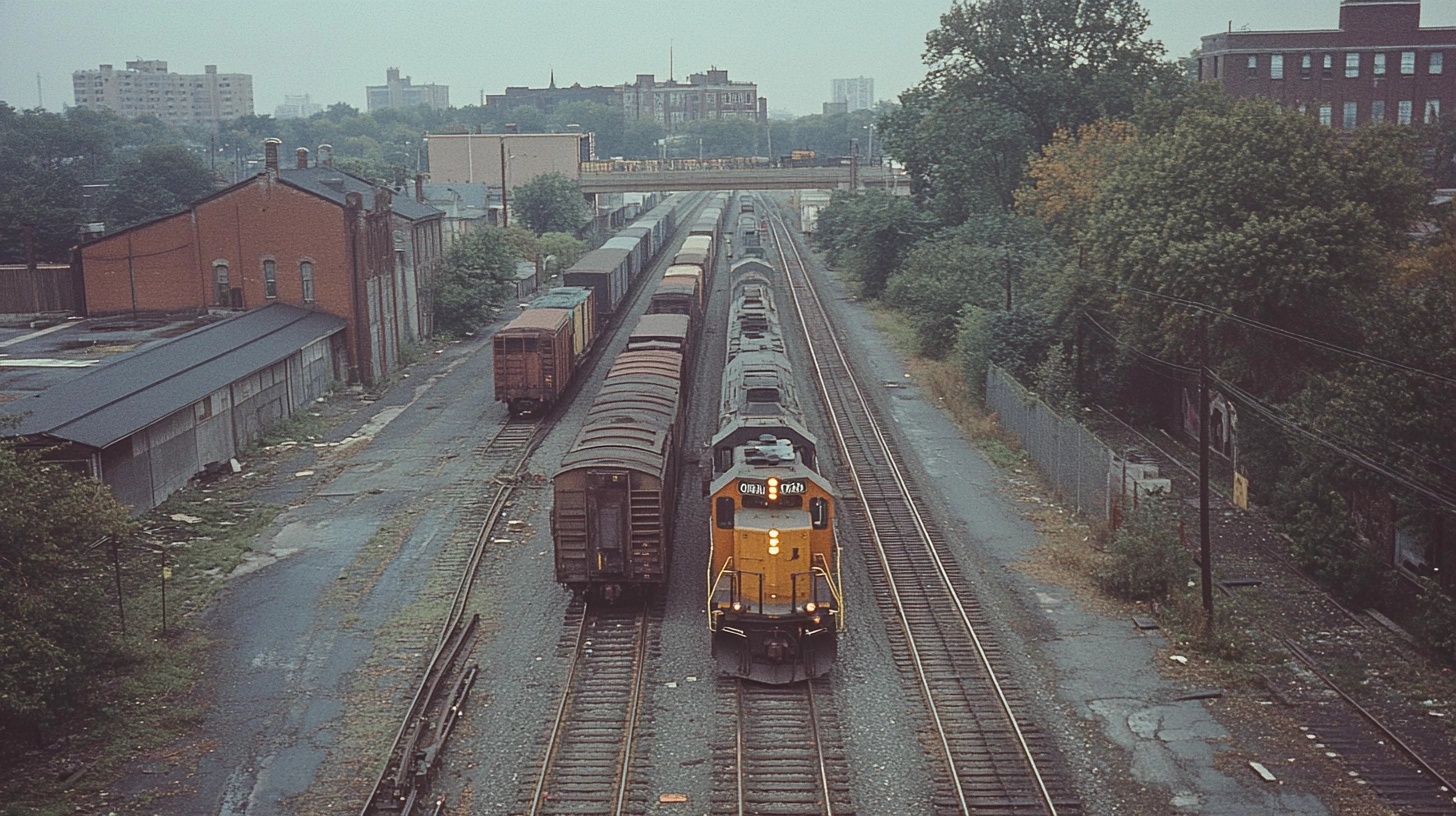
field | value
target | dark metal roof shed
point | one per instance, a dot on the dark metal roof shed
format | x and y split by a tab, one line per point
123	397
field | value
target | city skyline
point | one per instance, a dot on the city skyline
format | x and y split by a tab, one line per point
328	50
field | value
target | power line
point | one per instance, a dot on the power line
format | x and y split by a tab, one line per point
1322	344
1339	446
1139	352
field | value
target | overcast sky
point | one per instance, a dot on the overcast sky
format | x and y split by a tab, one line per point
332	50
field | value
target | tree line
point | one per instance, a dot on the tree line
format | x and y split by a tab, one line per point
1088	218
82	166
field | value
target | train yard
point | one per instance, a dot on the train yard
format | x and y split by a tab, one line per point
571	670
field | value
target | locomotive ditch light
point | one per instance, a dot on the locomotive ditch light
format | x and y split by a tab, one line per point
737	606
773	542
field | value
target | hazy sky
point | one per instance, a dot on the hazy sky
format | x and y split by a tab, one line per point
332	50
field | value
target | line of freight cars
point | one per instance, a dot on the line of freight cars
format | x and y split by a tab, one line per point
614	495
539	352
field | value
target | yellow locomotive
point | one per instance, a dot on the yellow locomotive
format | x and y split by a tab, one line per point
775	605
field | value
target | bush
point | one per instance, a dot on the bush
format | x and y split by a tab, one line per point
1147	560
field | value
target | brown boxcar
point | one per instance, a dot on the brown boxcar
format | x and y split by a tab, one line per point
534	359
614	493
679	292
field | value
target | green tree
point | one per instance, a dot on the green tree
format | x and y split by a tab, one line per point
550	203
868	234
163	180
474	278
563	248
1055	63
54	605
1262	213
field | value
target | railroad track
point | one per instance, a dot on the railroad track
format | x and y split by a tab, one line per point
780	760
1378	739
587	763
402	786
991	759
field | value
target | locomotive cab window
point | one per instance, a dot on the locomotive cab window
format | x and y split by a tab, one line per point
819	512
723	512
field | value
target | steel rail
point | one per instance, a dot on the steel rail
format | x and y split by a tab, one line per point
783	238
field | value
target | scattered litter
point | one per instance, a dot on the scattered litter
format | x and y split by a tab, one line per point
302	473
691	678
1144	623
1180	659
515	523
235	465
1263	772
500	541
672	684
672	798
185	519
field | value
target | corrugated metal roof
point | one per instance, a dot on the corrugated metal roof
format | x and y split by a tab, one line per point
123	397
533	319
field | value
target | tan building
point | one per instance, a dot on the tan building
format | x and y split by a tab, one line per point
146	88
506	160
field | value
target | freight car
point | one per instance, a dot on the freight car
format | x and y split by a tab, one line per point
775	602
536	355
615	492
679	292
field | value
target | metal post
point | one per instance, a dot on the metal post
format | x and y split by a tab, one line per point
505	216
1204	546
116	568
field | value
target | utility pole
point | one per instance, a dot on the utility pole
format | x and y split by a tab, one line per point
1205	547
505	218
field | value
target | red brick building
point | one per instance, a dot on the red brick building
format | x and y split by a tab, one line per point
310	236
1378	66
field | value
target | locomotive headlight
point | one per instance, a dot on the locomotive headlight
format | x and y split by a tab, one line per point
810	606
737	606
773	542
773	488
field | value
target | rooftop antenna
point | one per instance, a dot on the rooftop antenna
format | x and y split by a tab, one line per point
39	94
670	77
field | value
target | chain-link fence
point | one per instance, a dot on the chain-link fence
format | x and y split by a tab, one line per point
1078	465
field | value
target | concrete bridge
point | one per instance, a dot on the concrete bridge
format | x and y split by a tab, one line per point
757	178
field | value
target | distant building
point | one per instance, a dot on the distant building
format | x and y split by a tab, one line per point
1378	66
857	93
548	99
831	108
401	93
704	96
297	107
505	159
146	88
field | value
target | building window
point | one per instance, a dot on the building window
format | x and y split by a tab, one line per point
305	273
270	279
220	280
1348	120
1407	63
1403	112
1326	114
1276	66
1379	69
1328	70
1352	65
1253	66
1305	62
1433	110
1377	110
1435	64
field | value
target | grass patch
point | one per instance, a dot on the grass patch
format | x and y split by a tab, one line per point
946	383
